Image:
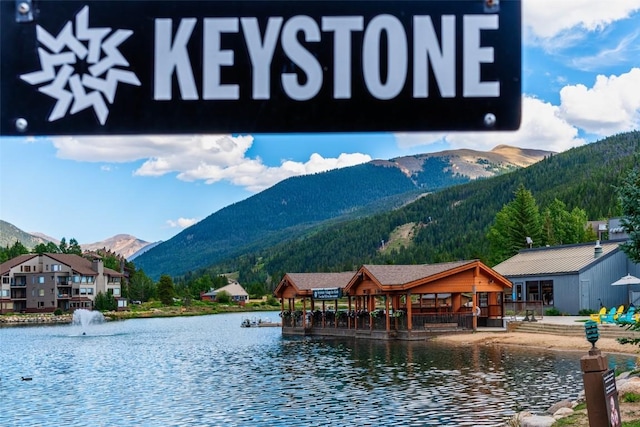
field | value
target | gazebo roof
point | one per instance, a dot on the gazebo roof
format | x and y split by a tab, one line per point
304	283
390	275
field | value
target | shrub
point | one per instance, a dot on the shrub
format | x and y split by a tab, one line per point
586	312
58	312
631	397
223	297
552	312
271	300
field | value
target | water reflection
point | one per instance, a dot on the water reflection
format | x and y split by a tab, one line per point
207	371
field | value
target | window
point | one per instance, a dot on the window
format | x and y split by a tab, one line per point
546	287
41	279
540	290
40	292
89	291
483	299
25	268
56	267
40	304
116	291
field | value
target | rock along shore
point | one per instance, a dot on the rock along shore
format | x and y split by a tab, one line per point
40	318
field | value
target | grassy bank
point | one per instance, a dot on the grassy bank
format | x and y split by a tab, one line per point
195	308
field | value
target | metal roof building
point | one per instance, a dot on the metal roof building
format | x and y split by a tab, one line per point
570	278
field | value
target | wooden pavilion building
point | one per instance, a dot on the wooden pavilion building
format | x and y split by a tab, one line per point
405	302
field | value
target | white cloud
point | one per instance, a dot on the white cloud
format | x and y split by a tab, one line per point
208	158
553	18
542	128
181	222
612	105
624	50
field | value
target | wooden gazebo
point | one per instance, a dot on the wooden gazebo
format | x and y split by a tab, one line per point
431	293
301	286
394	301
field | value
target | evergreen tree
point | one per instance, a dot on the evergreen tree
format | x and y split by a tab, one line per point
105	302
113	262
11	252
526	223
629	193
74	247
517	226
499	247
561	227
141	287
49	247
63	245
166	290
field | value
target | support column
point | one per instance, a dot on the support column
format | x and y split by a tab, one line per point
386	313
304	313
473	307
594	365
409	312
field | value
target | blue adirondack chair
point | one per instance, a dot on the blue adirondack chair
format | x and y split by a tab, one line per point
611	316
628	317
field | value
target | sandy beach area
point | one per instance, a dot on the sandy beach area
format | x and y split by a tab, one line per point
549	341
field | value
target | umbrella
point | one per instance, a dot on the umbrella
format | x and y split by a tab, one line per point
627	280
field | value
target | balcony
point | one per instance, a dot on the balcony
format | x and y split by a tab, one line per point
63	296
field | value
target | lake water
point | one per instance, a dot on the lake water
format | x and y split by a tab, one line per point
208	371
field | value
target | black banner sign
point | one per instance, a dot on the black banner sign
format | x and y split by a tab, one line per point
327	293
249	66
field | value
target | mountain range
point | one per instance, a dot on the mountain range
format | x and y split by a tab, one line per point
299	205
122	244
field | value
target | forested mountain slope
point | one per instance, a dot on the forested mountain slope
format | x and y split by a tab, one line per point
451	224
9	234
294	206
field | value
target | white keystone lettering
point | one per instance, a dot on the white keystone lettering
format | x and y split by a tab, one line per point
261	53
426	50
396	57
286	55
215	57
342	27
474	55
169	57
302	58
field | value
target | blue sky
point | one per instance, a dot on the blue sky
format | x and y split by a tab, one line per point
581	82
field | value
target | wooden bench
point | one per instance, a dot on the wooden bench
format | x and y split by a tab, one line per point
441	327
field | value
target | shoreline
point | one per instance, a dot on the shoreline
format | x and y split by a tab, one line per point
522	339
540	340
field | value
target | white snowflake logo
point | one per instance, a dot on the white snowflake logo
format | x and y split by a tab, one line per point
81	75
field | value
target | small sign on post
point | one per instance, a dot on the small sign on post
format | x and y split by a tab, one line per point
94	67
611	398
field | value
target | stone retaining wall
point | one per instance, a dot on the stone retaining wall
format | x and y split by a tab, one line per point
24	319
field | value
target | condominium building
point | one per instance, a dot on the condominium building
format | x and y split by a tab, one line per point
34	283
